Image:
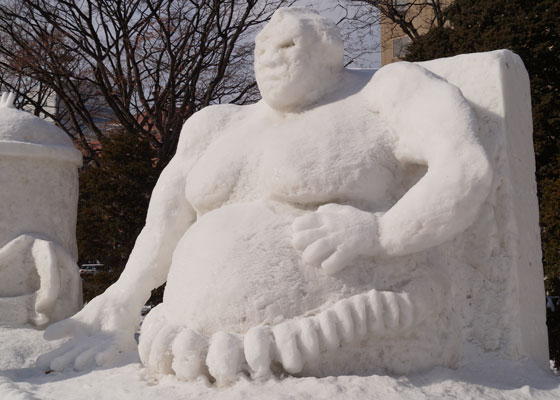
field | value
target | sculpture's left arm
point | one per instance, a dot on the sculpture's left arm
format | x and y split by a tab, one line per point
435	126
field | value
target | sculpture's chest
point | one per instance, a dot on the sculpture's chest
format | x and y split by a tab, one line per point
316	157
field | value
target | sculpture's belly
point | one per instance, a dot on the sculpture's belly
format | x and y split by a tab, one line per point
236	268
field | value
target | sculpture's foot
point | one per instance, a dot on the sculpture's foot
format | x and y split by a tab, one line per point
166	348
294	345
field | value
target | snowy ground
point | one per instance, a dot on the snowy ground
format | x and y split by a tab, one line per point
482	377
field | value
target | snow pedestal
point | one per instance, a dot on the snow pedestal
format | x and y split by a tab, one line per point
498	280
39	279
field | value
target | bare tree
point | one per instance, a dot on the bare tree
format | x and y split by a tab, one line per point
410	18
152	63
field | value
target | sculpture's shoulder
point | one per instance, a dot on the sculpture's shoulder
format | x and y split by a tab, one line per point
204	126
400	82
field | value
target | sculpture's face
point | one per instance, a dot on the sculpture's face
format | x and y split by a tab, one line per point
298	59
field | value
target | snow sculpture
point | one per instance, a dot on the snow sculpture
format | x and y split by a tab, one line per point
39	279
343	224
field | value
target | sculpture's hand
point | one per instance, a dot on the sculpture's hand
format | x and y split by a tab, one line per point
101	334
335	235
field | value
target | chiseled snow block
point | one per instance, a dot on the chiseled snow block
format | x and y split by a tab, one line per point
380	222
39	279
499	287
458	257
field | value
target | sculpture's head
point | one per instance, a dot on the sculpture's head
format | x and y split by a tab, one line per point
299	56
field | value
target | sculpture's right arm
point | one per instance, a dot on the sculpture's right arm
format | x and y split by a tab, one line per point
105	327
103	330
169	213
169	216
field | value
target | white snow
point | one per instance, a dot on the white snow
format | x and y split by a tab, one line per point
295	53
481	376
39	280
380	231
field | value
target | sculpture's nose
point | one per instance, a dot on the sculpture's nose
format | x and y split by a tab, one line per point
269	57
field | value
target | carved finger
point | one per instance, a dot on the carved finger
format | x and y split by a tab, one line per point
44	361
258	351
46	263
309	339
105	353
61	362
359	305
225	357
302	239
337	261
160	357
306	221
62	329
328	333
406	315
84	359
331	208
391	310
318	251
188	350
346	328
150	327
287	348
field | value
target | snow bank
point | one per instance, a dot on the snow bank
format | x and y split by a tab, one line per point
484	376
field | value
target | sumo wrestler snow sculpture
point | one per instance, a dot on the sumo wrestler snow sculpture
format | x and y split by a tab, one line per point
39	279
323	230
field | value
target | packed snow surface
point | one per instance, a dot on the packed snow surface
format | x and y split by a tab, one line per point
481	376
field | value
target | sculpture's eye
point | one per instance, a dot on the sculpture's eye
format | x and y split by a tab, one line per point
289	43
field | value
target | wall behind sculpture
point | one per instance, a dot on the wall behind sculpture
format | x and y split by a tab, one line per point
503	302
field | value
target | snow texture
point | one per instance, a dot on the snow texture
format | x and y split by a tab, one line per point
39	279
295	53
348	223
479	376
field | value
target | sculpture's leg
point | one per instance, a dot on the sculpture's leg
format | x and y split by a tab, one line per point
167	348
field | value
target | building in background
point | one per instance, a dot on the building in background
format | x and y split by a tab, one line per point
103	116
394	41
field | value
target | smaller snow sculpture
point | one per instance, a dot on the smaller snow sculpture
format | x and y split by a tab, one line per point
39	279
348	222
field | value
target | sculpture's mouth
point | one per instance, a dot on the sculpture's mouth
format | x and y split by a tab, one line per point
272	73
267	78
